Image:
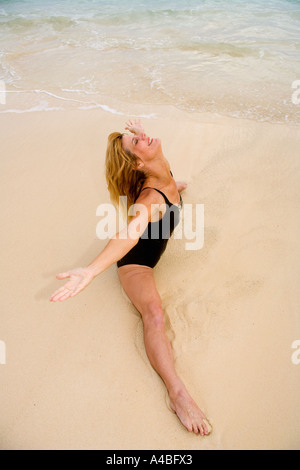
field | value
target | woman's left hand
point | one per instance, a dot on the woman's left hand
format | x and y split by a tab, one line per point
135	127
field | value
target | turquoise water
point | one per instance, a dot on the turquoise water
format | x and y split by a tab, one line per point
230	57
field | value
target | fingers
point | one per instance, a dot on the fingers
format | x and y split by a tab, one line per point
129	124
134	126
62	275
60	294
68	290
64	296
137	122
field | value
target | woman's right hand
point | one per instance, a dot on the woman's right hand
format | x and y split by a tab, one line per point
135	127
79	279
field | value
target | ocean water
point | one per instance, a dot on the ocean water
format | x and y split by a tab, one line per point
231	57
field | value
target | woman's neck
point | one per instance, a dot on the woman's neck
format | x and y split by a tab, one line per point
158	173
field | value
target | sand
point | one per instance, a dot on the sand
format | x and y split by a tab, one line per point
76	373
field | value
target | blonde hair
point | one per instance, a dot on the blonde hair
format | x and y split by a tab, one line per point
122	176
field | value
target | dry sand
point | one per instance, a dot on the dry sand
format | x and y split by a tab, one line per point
76	374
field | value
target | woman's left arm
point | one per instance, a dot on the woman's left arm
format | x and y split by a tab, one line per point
136	127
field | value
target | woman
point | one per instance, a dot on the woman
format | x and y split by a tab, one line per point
137	168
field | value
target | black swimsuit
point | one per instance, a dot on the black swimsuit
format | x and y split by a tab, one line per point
153	242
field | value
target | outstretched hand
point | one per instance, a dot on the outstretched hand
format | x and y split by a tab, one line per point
135	127
79	279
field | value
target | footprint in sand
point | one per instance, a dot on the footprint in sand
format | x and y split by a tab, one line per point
187	322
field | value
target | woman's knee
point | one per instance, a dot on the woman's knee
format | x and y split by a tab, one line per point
153	314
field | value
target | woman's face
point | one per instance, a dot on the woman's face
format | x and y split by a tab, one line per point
141	145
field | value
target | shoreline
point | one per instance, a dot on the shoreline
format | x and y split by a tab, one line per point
28	104
76	374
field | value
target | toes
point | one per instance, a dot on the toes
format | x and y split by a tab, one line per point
195	428
189	427
199	427
208	426
202	428
187	424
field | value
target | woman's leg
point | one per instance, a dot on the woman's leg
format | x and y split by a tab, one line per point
139	284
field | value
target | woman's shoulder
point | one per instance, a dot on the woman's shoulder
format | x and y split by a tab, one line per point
149	195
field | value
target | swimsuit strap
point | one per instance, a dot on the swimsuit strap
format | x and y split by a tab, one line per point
165	197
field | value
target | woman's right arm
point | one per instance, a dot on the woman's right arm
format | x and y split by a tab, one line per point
116	248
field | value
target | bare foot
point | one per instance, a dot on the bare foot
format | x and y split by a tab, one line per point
189	413
181	186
